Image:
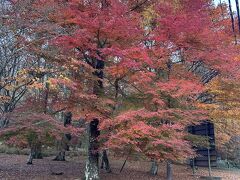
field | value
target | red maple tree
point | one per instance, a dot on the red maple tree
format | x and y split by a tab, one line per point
130	76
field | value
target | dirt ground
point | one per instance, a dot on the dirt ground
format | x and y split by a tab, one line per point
14	167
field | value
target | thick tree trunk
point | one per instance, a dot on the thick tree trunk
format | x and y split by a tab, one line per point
67	138
92	170
169	171
30	157
37	151
154	168
60	156
105	162
62	147
63	144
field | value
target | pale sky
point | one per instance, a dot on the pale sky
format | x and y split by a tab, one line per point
226	1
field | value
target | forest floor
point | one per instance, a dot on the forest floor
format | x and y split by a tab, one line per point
14	167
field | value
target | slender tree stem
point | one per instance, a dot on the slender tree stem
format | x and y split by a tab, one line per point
238	15
232	19
220	3
125	161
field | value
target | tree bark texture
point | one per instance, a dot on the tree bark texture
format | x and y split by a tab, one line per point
92	170
105	162
154	168
30	157
64	143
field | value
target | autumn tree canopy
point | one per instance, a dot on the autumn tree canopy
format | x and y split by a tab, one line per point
126	63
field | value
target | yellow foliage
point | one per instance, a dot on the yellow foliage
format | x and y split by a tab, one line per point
226	111
148	16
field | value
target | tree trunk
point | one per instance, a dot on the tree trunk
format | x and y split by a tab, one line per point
3	121
63	145
46	98
60	156
169	171
37	151
238	14
105	162
192	164
232	20
92	171
30	157
154	168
